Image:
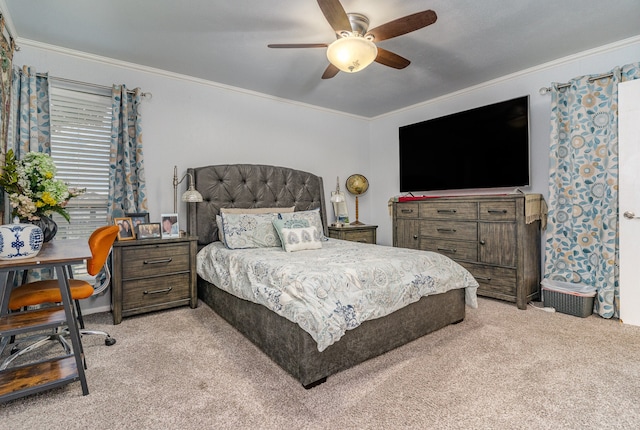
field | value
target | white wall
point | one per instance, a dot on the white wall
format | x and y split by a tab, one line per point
384	180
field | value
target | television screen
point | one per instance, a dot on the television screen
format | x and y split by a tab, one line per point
485	147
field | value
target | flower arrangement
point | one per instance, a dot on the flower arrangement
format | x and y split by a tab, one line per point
32	187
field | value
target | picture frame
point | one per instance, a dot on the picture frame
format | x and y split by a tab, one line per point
137	219
126	231
149	231
169	225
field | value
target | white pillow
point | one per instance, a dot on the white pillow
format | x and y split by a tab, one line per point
249	230
298	239
311	216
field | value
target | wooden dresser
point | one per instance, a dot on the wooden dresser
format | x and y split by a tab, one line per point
153	274
487	235
355	233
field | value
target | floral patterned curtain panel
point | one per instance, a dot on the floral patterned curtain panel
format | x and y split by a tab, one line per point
127	188
582	233
31	123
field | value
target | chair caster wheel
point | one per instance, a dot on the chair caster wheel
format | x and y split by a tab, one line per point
109	341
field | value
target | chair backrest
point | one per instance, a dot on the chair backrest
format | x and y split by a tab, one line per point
100	243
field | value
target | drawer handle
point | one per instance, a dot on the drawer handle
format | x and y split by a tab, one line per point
415	236
407	211
446	230
447	211
480	278
496	211
164	260
453	250
362	241
165	290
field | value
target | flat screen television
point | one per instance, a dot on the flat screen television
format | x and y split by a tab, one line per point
485	147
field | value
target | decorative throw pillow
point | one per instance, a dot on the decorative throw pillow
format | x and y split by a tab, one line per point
249	230
311	216
298	239
279	224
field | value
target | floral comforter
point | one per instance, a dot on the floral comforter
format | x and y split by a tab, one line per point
333	289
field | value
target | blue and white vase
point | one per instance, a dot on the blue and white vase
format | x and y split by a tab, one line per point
19	241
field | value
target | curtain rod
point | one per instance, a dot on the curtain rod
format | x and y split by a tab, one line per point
545	90
89	84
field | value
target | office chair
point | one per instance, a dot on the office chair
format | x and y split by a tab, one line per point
47	291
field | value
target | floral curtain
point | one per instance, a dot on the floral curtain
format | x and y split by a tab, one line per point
31	125
127	188
582	233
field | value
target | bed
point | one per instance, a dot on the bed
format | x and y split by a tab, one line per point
306	355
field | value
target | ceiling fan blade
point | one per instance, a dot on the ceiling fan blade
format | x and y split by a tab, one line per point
330	72
335	15
390	59
404	25
297	45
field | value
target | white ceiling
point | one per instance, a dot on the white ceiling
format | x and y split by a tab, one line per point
473	41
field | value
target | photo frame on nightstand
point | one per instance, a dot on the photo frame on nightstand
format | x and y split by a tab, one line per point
137	219
126	231
149	231
169	225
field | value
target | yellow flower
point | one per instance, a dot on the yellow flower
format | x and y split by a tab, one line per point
48	199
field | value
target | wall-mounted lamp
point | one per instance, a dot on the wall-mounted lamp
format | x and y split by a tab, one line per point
190	196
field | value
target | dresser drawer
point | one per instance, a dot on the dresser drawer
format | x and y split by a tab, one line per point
460	230
449	210
407	210
498	211
154	291
454	249
498	282
143	261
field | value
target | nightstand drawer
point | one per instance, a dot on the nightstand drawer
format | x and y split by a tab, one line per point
154	291
143	261
360	236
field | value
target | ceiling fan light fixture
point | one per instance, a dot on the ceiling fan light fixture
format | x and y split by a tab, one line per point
352	53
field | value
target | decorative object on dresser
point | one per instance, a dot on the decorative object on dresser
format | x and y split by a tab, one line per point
494	237
356	233
153	274
357	185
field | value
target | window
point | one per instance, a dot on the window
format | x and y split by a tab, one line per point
80	145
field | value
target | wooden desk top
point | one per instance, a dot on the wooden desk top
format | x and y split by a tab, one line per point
52	253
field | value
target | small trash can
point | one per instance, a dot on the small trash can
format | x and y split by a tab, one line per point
568	298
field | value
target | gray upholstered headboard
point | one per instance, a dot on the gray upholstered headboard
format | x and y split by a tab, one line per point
250	186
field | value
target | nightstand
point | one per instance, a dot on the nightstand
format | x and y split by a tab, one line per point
153	274
355	233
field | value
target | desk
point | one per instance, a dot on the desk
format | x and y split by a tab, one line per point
31	378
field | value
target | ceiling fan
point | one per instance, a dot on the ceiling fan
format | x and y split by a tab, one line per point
354	48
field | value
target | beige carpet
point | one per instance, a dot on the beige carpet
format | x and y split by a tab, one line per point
502	368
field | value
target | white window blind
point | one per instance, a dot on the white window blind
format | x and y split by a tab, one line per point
80	142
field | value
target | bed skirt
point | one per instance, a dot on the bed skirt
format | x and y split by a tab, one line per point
295	351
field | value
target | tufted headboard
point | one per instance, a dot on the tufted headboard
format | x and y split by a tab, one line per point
250	186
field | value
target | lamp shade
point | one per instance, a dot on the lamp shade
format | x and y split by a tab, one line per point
352	53
192	195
